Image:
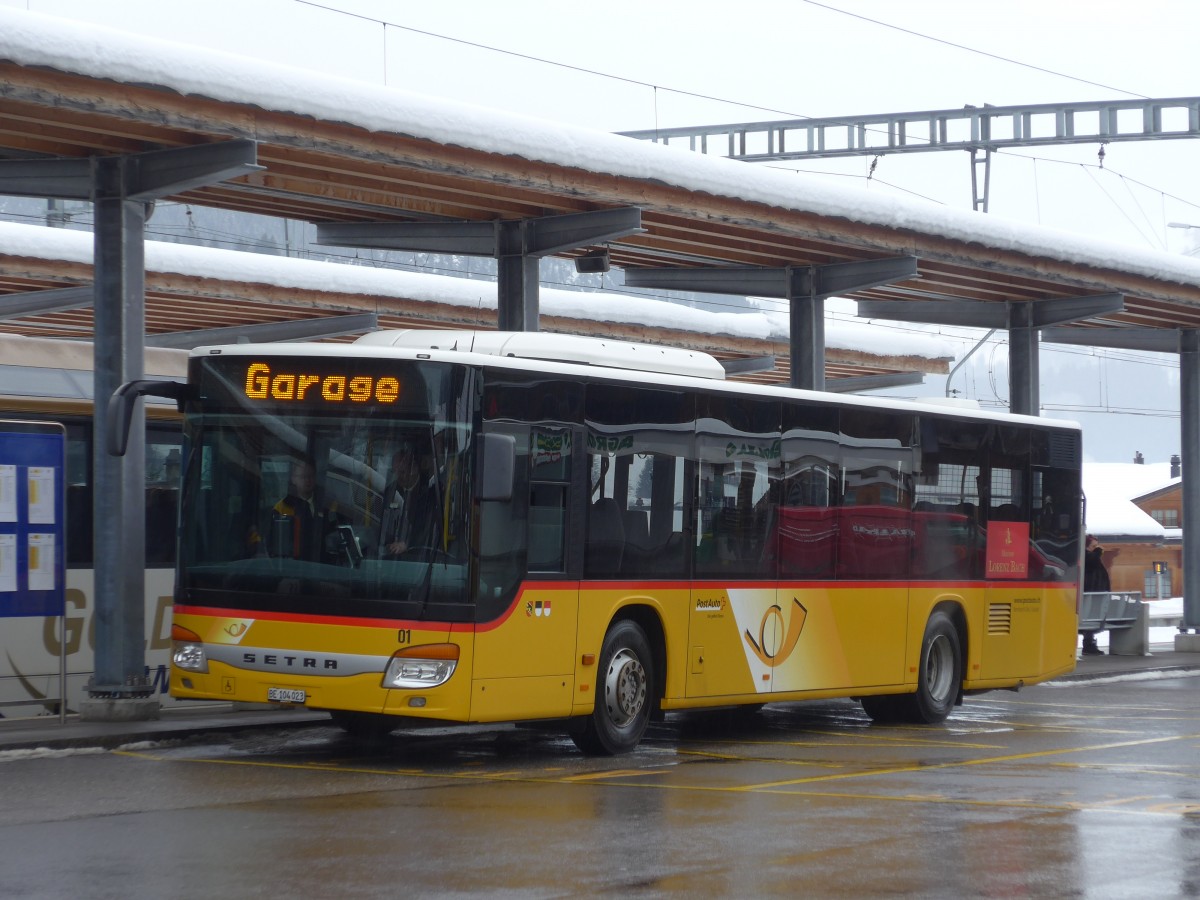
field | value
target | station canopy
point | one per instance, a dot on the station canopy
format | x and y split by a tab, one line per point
338	152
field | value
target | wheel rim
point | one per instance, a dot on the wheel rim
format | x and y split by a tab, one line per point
939	669
624	688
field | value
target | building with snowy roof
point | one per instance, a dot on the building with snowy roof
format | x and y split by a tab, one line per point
1128	505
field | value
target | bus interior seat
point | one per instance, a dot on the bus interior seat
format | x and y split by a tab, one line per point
639	553
1006	512
637	528
606	538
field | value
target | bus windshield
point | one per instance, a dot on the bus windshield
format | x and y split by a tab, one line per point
327	487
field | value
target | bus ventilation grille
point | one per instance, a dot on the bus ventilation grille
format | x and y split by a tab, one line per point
1066	450
999	618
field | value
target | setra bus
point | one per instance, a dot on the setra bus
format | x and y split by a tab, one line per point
600	533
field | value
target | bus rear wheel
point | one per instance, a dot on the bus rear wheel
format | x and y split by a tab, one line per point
939	679
625	679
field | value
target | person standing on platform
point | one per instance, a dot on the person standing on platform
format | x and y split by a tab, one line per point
1095	580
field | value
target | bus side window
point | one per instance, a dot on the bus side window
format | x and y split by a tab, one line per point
875	536
549	489
804	536
79	495
948	532
653	517
163	456
639	440
738	442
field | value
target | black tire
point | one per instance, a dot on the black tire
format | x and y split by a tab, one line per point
883	708
624	688
364	726
939	679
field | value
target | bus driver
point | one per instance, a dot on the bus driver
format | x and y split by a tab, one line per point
309	518
411	500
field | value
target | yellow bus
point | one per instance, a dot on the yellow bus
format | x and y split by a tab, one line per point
533	527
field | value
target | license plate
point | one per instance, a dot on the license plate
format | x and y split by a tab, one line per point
285	695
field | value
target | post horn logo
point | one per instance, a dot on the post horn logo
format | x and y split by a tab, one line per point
790	632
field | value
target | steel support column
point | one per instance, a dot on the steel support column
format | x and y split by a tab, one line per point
1023	321
120	187
1185	343
517	246
119	545
804	287
1024	395
518	294
806	323
1189	408
981	158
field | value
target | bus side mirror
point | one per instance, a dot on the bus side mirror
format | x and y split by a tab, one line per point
499	453
120	407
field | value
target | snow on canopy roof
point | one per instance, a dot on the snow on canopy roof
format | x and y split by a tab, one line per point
40	242
32	39
1110	489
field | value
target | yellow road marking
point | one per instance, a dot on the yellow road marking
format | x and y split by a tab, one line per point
618	773
851	740
987	760
636	778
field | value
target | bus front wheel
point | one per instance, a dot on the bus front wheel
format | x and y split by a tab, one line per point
624	682
939	679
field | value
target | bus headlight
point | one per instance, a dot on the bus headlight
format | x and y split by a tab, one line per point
421	667
190	656
187	650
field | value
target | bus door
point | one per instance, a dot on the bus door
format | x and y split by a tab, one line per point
529	564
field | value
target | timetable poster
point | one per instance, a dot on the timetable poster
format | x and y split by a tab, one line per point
32	518
41	562
8	493
42	504
8	563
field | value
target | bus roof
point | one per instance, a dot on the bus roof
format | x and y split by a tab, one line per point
568	348
593	358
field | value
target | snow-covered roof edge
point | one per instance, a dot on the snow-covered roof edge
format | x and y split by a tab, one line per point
1110	489
33	39
40	242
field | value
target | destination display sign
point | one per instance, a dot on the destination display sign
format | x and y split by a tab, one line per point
290	382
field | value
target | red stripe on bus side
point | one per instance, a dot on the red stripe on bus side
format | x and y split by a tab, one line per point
630	586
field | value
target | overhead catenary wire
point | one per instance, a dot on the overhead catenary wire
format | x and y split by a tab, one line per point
656	88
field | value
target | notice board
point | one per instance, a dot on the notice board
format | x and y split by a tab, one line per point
32	518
